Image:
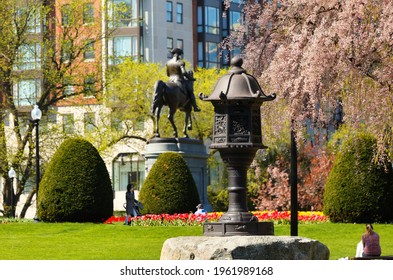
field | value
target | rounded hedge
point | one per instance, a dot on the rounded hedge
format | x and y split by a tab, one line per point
76	186
169	187
359	190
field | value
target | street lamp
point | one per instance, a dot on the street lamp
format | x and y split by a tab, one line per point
36	115
12	175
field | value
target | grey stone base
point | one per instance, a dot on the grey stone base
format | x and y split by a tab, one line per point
238	228
194	153
243	248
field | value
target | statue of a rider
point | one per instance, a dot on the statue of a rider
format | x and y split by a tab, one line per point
176	71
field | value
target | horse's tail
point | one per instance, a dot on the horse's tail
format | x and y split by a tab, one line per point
158	97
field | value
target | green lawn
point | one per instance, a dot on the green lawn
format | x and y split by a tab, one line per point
73	241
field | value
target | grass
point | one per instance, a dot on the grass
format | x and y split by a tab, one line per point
73	241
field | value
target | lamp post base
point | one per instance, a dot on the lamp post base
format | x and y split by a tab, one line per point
238	228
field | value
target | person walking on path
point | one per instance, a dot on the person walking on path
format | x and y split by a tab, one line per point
370	240
130	204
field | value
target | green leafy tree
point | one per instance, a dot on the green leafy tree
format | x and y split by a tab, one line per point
76	186
169	187
128	98
206	79
39	50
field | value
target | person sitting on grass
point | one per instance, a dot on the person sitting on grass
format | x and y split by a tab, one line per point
370	240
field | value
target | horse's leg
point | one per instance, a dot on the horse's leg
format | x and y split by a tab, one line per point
170	118
189	127
157	133
186	122
157	97
158	102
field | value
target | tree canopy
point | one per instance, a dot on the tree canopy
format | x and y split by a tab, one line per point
314	54
40	62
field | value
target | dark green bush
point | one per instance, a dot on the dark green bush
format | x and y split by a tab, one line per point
358	188
76	186
169	187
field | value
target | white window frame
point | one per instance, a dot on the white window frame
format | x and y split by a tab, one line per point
27	91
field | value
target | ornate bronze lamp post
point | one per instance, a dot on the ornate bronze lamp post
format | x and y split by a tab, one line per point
237	135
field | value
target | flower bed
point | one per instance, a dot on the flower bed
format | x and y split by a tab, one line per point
278	217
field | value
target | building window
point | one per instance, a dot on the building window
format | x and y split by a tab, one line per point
212	20
47	121
123	13
169	11
128	169
212	55
122	47
179	13
200	55
234	20
68	123
225	26
180	44
34	23
169	45
90	122
27	92
66	51
33	18
88	52
28	57
68	86
66	15
88	13
89	86
200	19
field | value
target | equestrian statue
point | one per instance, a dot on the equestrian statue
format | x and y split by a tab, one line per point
177	93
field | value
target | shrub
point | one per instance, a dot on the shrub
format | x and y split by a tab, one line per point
169	187
359	189
76	186
218	198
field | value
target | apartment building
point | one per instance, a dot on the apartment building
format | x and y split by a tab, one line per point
154	27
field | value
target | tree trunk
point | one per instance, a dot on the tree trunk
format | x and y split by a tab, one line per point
7	199
27	204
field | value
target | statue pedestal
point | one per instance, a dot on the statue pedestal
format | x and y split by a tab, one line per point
243	248
193	151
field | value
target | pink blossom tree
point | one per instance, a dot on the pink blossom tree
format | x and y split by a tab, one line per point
314	54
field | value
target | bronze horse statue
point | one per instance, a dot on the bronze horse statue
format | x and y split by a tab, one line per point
172	95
